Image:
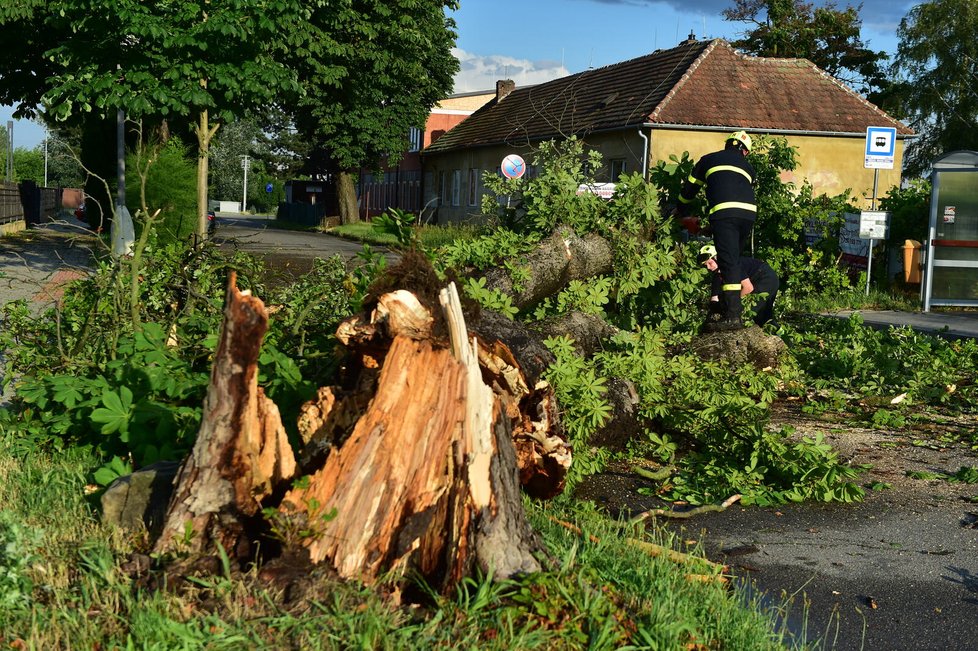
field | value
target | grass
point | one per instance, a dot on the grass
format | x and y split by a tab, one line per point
63	581
430	236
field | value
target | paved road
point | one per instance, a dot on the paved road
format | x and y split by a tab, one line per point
950	324
253	234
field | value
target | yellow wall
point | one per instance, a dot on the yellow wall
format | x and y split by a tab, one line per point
831	164
627	145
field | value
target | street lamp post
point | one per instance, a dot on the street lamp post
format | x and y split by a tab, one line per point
244	191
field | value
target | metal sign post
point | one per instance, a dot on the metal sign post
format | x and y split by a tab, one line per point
880	154
872	226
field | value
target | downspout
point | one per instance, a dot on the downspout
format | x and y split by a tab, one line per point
645	155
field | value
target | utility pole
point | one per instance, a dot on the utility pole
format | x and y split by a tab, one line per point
244	191
10	151
45	158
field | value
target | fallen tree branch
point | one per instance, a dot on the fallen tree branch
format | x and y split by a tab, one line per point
669	513
657	551
655	475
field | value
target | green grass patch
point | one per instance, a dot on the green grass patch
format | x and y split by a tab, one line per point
64	586
429	236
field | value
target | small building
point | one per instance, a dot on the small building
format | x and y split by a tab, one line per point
399	184
640	111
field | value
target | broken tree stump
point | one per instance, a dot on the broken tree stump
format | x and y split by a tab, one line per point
242	453
427	480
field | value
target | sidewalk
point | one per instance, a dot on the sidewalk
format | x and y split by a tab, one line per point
952	324
36	264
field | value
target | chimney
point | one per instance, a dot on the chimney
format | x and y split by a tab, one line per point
503	88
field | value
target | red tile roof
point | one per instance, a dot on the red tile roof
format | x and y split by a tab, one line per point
696	84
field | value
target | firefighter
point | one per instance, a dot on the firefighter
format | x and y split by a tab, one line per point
731	208
757	277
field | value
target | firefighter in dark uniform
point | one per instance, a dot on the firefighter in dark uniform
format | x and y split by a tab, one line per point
757	277
731	209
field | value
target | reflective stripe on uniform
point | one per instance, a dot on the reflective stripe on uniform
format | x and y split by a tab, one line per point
731	287
683	199
733	204
696	181
730	168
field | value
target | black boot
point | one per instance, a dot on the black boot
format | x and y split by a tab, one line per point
732	310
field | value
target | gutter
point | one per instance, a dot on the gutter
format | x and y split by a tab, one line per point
779	132
645	155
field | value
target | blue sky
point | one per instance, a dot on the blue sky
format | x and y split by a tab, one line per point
532	41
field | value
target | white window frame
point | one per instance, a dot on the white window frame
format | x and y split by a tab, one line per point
415	139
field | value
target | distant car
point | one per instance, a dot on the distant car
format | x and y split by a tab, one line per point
80	212
211	221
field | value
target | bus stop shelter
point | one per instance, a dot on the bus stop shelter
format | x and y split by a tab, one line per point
951	268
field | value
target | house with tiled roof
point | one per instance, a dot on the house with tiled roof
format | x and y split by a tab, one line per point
687	98
398	183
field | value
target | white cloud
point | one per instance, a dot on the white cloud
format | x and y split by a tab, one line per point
481	72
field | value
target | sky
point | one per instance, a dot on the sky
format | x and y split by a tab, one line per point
533	41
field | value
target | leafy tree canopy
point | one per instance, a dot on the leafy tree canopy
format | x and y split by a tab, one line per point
937	60
826	36
159	57
375	68
372	71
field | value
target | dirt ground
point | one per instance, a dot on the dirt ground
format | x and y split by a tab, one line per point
898	570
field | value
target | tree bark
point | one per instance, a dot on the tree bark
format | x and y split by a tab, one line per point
242	452
559	259
205	133
346	197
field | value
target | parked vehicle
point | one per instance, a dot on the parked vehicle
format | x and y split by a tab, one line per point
211	221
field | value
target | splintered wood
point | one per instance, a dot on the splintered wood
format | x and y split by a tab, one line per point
414	464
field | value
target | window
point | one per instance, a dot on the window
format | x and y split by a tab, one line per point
617	168
456	187
415	138
443	188
473	186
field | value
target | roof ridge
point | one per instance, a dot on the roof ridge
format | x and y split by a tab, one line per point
682	80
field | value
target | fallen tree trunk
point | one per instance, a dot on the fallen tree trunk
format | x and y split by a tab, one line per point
559	259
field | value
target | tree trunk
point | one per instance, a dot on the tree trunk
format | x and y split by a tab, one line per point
559	259
416	465
242	452
428	478
346	197
205	133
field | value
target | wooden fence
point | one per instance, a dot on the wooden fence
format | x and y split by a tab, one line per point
29	203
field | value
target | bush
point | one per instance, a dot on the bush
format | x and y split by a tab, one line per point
169	177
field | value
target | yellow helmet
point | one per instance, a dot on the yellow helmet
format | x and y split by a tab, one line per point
741	138
706	252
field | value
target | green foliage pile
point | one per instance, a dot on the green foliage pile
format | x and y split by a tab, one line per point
841	358
130	383
707	419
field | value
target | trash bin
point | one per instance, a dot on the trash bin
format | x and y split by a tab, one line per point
911	262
